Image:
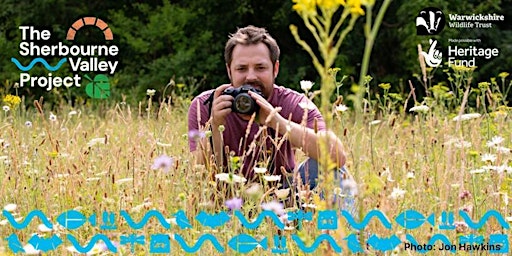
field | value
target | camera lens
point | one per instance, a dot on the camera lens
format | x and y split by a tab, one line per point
244	103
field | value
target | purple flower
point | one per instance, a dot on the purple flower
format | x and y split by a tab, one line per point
196	134
163	162
234	204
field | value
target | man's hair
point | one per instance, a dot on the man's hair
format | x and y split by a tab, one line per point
251	35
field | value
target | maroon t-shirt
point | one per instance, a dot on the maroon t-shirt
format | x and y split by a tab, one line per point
258	147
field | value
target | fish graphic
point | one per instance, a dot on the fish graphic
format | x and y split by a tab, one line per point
244	243
71	219
410	219
384	243
212	220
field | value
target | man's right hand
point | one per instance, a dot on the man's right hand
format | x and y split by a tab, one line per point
221	105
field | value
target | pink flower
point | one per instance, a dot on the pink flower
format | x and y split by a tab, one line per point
163	162
196	135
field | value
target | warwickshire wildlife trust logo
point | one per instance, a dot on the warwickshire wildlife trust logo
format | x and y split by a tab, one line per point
430	21
81	58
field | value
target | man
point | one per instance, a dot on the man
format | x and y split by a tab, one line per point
267	138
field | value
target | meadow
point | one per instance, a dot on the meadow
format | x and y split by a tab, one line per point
436	157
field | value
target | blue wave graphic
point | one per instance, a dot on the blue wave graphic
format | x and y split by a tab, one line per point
145	219
360	226
444	240
259	219
36	60
199	243
484	219
316	243
91	244
384	243
27	220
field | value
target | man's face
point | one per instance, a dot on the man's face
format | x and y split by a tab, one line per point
251	65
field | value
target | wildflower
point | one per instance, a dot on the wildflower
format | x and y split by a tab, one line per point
410	175
465	195
28	124
460	227
271	178
95	141
306	85
222	128
503	150
273	206
196	134
53	117
488	158
253	190
163	162
374	122
341	108
307	105
388	174
385	86
495	141
397	193
307	7
477	171
421	109
72	113
43	228
6	108
503	75
234	204
260	170
282	193
150	92
10	207
30	250
230	178
12	100
466	117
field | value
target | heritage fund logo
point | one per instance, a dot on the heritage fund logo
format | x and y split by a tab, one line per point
430	21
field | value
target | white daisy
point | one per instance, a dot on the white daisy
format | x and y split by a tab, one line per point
495	141
230	178
397	193
306	85
272	177
341	108
488	158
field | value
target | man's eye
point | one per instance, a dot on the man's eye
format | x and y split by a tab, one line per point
240	69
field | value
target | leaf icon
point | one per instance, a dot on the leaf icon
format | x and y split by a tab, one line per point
99	88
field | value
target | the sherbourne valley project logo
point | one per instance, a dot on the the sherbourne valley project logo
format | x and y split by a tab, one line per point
85	59
430	21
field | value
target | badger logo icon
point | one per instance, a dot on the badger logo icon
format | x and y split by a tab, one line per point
430	21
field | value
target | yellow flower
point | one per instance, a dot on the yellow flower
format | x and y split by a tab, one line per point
328	4
503	75
305	6
355	7
12	100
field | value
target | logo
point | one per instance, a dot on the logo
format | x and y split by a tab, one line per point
79	58
434	57
430	21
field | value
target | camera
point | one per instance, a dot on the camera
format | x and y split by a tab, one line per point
243	102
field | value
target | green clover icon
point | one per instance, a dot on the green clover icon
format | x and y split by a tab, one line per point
99	88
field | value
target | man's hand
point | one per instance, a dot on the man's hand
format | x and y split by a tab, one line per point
221	105
268	114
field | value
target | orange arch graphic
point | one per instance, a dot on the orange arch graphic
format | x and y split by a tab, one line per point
94	21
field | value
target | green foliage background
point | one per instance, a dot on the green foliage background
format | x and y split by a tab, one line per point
184	40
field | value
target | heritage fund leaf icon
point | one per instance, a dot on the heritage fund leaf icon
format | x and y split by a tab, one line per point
99	88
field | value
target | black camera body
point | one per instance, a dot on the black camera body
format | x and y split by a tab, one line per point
243	102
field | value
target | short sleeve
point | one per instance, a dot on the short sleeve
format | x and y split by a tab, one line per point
197	118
